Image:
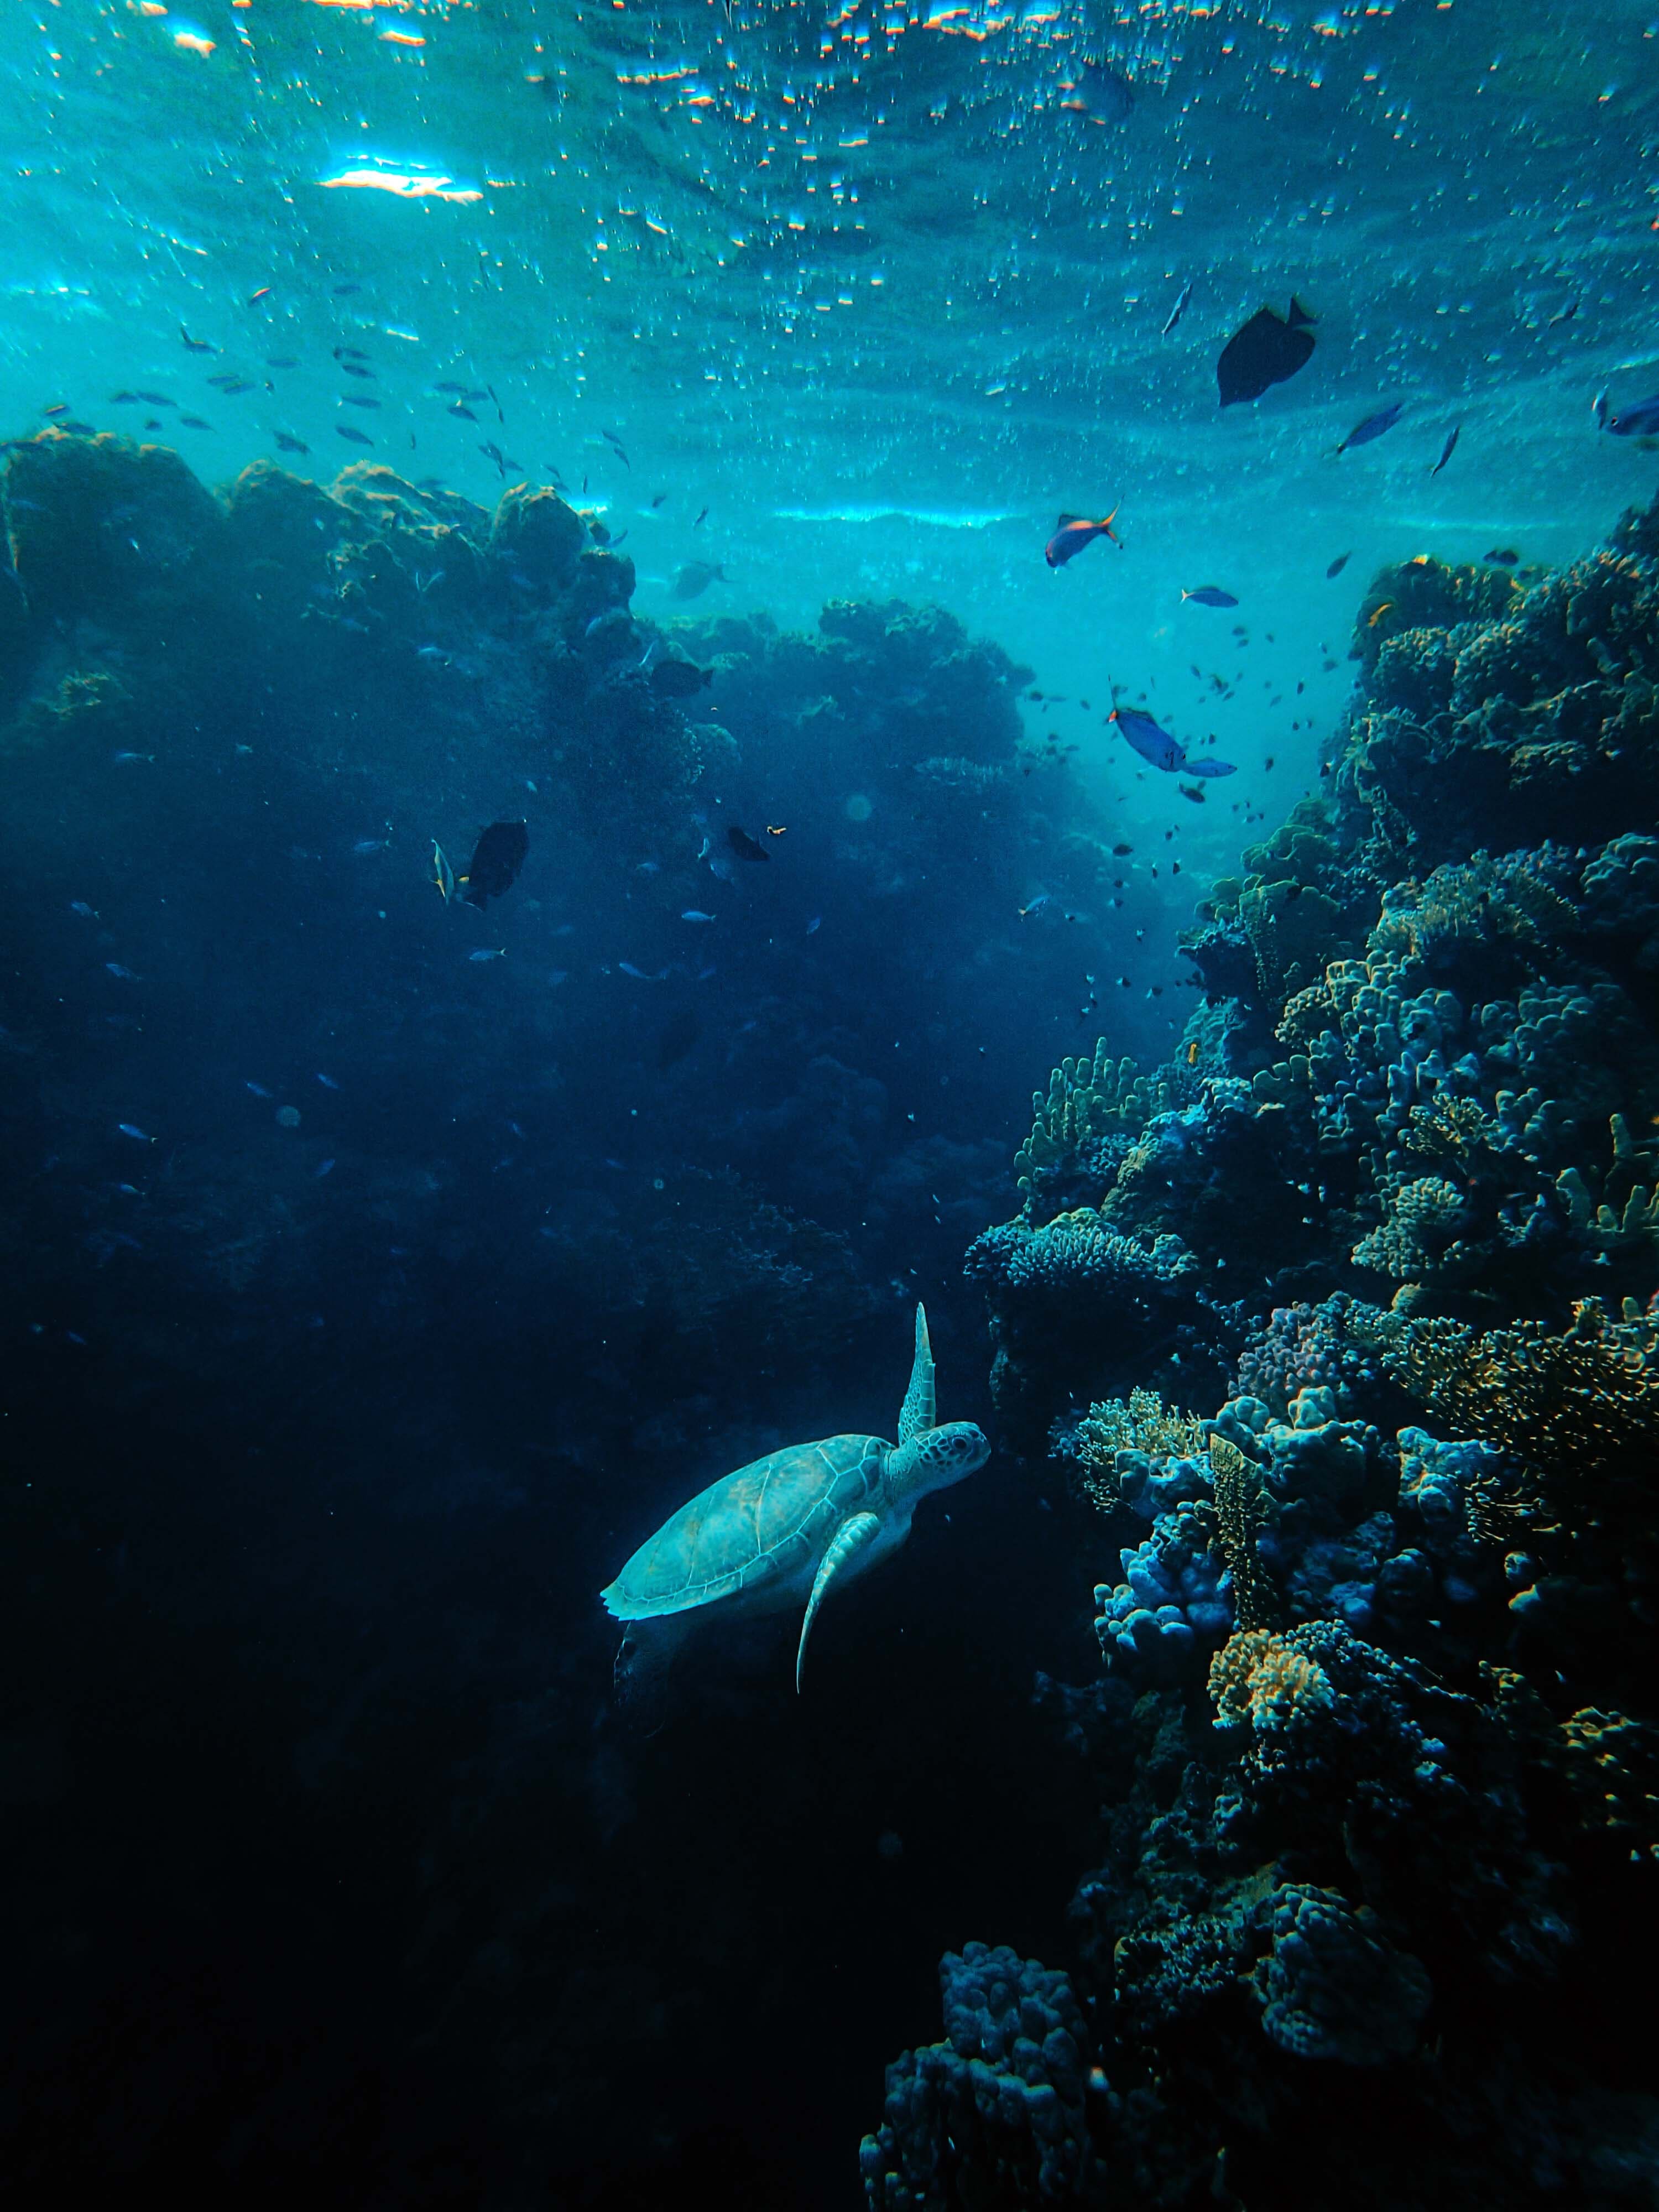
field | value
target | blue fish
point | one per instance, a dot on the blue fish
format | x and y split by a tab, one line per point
1641	421
1372	427
257	1088
1153	744
1446	450
484	953
1211	595
1178	310
1210	766
128	1129
323	1168
696	914
328	1082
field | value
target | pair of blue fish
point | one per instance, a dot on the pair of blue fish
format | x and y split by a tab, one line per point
1157	747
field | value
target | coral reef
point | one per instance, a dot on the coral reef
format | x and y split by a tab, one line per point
1375	1738
995	2113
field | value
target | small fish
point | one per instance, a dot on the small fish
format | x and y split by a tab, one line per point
696	914
257	1088
1377	613
1446	450
155	399
777	829
443	875
349	353
458	408
264	292
1506	556
1073	532
1263	352
1122	852
657	499
1211	595
288	443
815	924
679	679
195	345
449	387
1373	426
639	974
282	361
492	452
371	845
328	1083
341	290
352	435
80	906
1641	421
358	399
746	847
1210	766
226	377
131	1130
695	578
1339	565
1035	907
193	423
1178	310
700	519
322	1168
485	953
123	975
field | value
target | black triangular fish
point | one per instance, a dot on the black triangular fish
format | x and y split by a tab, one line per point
1270	348
679	679
496	859
746	847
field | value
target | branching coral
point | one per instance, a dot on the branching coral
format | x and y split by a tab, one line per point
1142	1423
1088	1099
1257	1676
1579	1410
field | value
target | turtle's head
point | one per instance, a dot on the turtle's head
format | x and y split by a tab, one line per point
936	1459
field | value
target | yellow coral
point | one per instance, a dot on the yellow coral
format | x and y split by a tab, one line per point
1257	1676
1579	1410
1142	1422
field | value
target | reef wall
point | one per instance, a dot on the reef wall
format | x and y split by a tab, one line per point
1344	1324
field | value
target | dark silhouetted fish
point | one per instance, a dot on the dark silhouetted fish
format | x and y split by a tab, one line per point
1338	564
746	847
1373	427
1109	94
679	679
1446	450
1211	595
496	859
1641	421
694	579
1270	348
1210	766
288	443
352	435
195	345
1073	532
679	1034
1505	555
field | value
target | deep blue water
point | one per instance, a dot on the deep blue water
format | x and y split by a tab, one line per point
382	385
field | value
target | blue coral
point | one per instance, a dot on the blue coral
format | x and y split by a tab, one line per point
995	2113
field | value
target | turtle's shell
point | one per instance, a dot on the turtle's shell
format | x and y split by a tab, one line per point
766	1524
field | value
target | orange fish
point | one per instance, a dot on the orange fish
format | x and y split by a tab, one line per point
1372	620
1073	532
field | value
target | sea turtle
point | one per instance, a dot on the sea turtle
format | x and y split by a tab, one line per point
788	1527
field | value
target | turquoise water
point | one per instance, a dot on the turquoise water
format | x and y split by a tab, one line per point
381	1270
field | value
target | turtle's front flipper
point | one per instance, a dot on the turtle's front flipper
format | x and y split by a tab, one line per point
918	1411
848	1540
